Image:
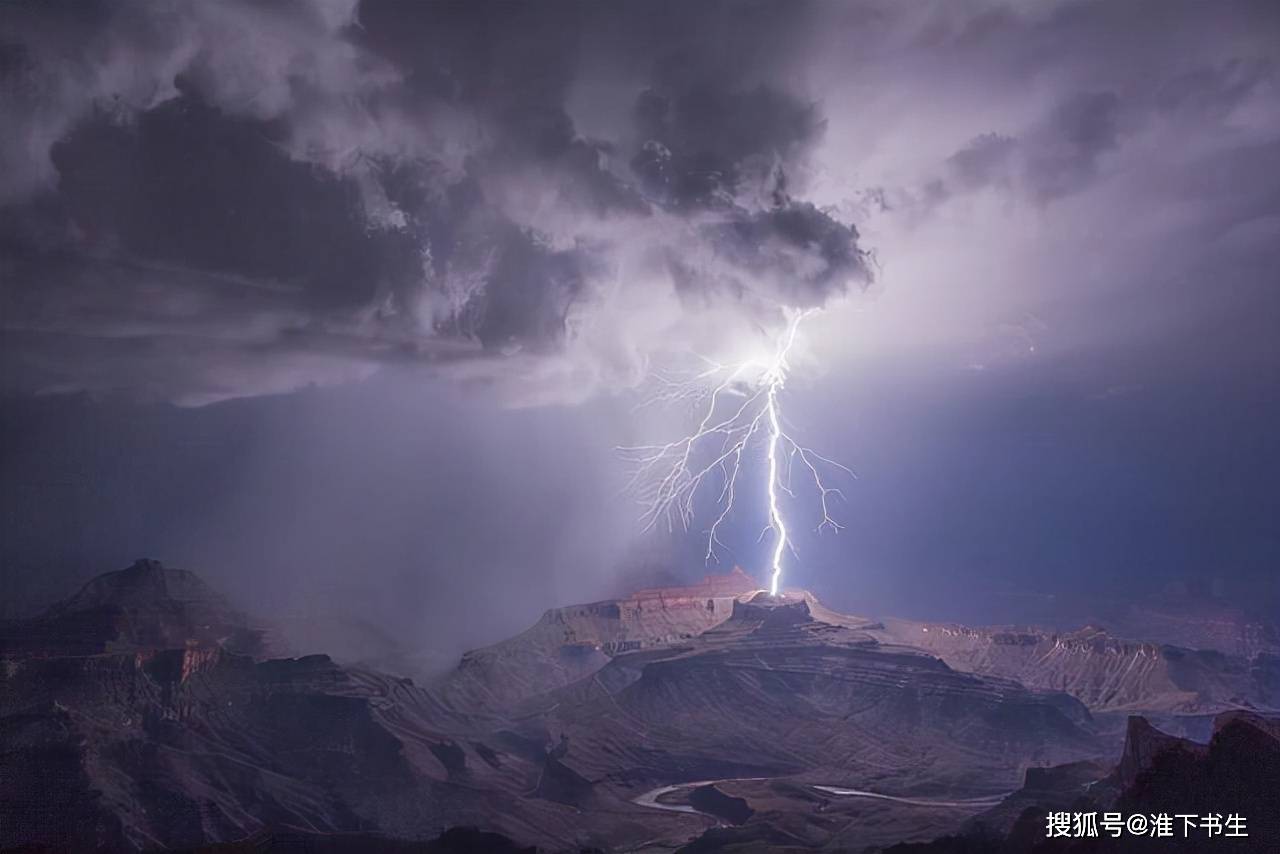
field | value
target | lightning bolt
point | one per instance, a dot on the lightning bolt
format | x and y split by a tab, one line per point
741	408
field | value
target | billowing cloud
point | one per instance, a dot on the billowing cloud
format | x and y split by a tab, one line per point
201	201
207	201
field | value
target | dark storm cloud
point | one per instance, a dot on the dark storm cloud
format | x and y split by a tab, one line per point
198	196
551	190
704	144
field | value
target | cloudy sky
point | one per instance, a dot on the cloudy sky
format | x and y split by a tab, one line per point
346	305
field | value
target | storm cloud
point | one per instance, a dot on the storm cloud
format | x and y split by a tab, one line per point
216	200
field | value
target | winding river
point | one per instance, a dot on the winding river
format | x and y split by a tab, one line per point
650	798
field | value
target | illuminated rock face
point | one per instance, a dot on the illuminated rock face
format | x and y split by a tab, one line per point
732	584
567	644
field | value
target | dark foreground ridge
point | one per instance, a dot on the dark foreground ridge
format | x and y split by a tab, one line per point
457	840
1238	771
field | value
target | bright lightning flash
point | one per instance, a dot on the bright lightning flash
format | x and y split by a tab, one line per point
741	409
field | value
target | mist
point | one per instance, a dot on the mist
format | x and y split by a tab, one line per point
393	509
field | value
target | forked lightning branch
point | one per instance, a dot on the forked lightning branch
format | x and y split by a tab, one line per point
741	424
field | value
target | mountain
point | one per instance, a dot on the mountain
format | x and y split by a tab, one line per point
1106	673
145	712
144	606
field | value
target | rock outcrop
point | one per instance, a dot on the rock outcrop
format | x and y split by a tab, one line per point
1106	673
568	644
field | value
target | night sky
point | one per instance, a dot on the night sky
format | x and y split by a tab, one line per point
347	305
